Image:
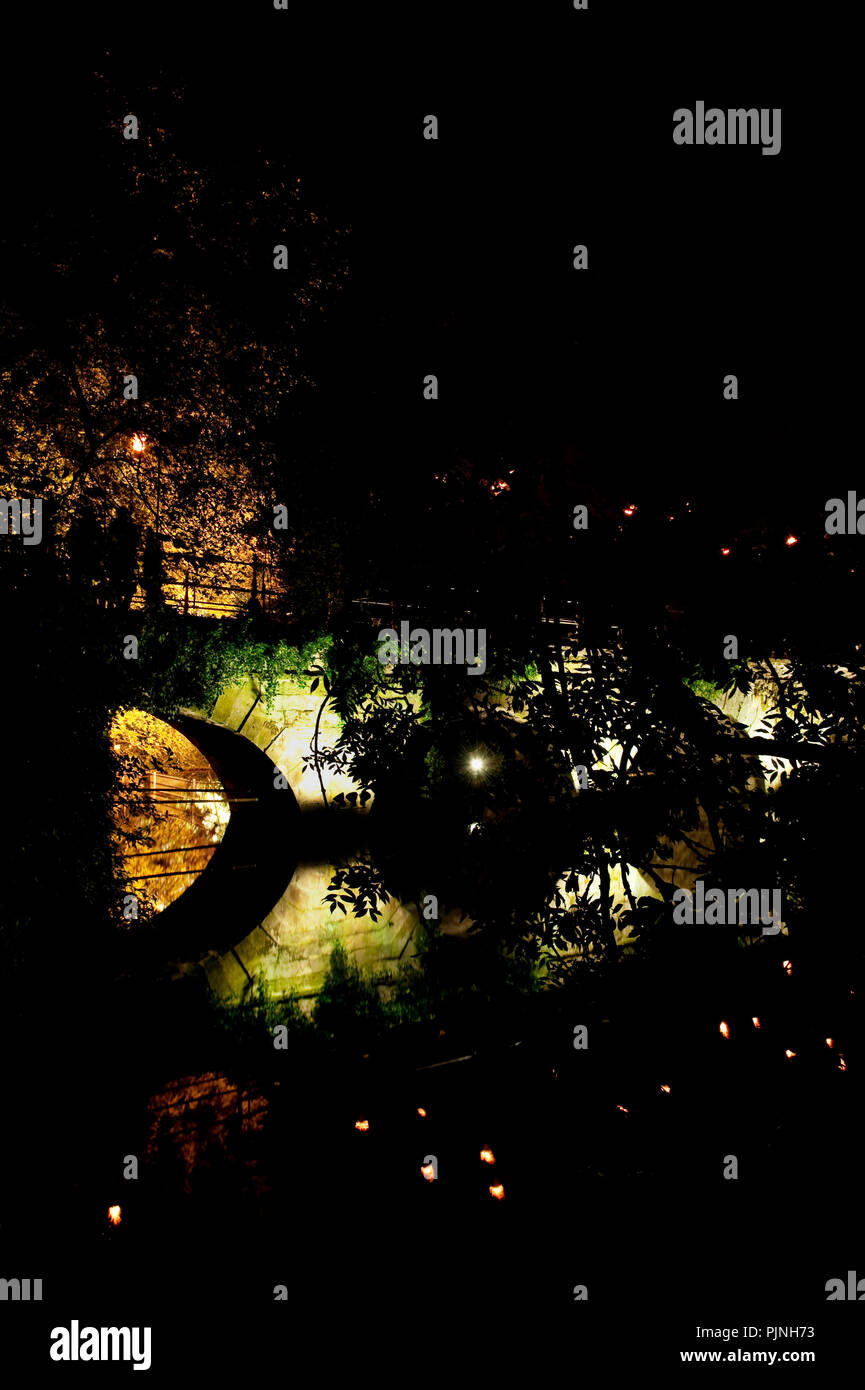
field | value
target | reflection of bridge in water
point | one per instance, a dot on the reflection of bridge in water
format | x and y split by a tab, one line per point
256	910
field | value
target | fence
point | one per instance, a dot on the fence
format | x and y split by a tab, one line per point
196	594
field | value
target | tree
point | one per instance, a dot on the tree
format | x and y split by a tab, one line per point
533	859
149	343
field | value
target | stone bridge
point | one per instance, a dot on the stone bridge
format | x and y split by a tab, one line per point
290	838
289	949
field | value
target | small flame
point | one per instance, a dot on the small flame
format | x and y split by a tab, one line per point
792	540
788	1053
114	1215
428	1171
498	1192
666	1089
788	966
830	1042
629	511
756	1022
726	550
623	1109
137	444
361	1124
487	1156
842	1065
421	1112
724	1030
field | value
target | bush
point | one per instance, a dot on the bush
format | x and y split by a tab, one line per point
348	1009
251	1023
460	981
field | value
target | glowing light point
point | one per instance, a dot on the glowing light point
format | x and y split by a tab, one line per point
498	1192
476	764
361	1124
756	1022
842	1065
428	1171
726	550
114	1215
487	1156
421	1112
830	1042
724	1030
137	444
666	1090
788	966
792	540
623	1109
788	1053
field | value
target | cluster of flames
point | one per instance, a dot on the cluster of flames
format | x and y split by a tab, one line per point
724	1029
789	540
428	1169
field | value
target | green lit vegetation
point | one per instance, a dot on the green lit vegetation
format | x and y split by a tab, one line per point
356	1008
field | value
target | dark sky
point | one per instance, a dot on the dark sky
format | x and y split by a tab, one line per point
554	130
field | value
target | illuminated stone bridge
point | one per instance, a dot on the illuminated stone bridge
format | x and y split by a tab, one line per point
290	845
271	924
